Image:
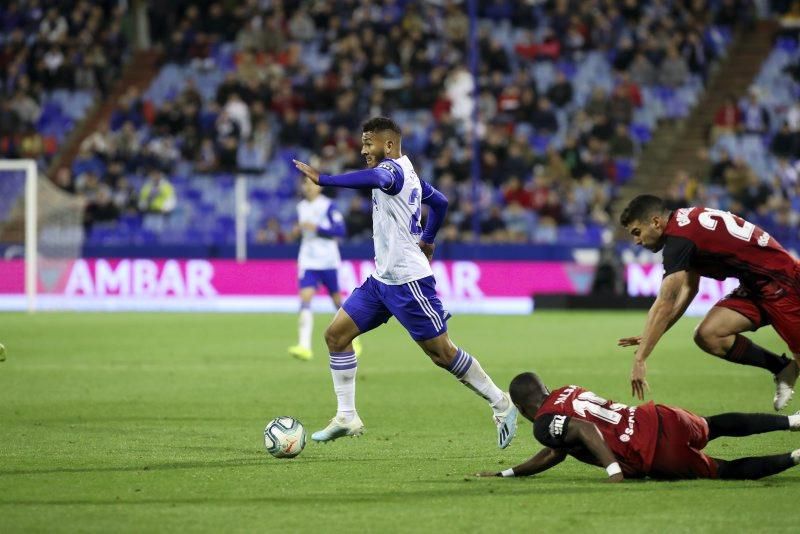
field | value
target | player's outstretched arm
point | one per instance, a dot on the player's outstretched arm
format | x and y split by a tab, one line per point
677	291
541	461
378	177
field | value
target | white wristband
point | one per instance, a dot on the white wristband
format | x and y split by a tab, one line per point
507	472
613	469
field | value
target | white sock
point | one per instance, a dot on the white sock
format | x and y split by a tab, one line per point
796	456
343	371
469	371
794	422
305	325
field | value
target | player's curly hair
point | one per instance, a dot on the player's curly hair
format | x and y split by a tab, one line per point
380	124
642	208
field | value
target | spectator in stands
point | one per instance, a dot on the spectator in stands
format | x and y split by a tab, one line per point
271	233
63	179
515	193
237	110
597	103
621	145
157	195
53	27
26	108
697	54
719	168
642	70
493	227
100	209
727	119
250	157
358	220
125	197
87	184
673	71
754	194
544	119
206	160
755	117
10	122
785	142
786	176
519	222
127	144
629	88
620	106
560	93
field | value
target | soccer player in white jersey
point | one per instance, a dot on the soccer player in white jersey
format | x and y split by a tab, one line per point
319	224
402	285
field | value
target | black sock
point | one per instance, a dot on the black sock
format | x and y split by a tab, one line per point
754	467
745	424
745	352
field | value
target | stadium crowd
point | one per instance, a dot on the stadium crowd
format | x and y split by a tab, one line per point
54	55
754	146
561	87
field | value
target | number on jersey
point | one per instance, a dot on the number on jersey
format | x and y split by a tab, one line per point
743	231
414	200
588	402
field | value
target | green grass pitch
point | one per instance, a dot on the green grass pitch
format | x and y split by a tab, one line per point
153	423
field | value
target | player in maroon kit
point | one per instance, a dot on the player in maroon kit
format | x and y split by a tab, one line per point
650	440
708	242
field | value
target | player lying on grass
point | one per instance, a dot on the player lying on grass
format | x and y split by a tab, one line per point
650	440
708	242
402	285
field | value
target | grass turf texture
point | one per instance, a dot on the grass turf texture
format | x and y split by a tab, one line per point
153	422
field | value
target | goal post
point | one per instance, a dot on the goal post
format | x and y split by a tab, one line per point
42	223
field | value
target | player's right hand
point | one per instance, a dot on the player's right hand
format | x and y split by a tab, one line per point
629	341
307	170
639	385
484	474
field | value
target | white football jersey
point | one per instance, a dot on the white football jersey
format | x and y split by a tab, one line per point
318	253
396	228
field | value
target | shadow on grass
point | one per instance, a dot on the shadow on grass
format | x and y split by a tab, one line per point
234	462
558	486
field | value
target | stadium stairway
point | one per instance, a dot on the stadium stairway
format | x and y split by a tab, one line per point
677	145
139	73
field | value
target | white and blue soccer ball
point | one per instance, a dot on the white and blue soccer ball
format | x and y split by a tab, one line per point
284	437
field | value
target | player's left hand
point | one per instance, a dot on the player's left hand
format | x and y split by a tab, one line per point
307	170
484	474
309	227
615	479
427	249
629	341
639	384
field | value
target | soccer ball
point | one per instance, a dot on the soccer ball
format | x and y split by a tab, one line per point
284	437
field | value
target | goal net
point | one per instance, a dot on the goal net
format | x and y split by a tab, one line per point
40	235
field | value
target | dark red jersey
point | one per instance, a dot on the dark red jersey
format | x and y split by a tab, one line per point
629	431
718	244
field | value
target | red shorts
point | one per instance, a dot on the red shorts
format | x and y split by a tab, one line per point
681	437
781	309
